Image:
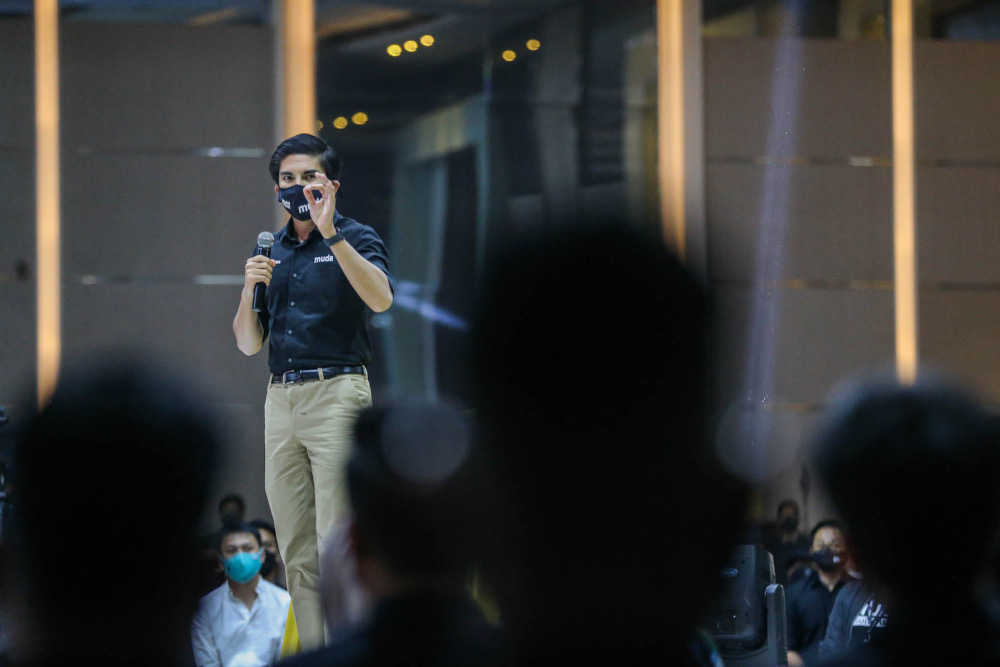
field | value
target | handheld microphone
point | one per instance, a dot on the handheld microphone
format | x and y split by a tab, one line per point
264	242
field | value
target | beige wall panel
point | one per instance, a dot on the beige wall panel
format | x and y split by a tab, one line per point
189	326
163	215
960	334
17	83
957	224
17	345
839	221
242	469
134	86
818	338
958	100
17	221
843	106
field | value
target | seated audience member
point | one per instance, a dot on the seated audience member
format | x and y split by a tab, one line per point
857	617
273	569
411	497
610	517
809	601
137	451
231	507
891	457
242	622
787	544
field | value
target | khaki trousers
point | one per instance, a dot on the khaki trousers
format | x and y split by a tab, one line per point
307	438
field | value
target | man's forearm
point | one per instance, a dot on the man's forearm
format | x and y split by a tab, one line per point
369	281
247	328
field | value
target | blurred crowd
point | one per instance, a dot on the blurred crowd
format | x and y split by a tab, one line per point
579	515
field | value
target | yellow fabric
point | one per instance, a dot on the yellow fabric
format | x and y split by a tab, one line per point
290	642
484	597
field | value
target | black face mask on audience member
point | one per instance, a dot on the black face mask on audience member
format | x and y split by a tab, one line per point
828	560
270	560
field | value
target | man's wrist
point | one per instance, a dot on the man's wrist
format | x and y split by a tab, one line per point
335	239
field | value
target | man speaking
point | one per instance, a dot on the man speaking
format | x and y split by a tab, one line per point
325	274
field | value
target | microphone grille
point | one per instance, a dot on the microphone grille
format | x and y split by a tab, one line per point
265	239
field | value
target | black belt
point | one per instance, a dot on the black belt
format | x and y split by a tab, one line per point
313	374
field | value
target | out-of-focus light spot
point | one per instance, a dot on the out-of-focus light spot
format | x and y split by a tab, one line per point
319	125
394	50
508	55
410	45
360	118
533	45
340	122
427	40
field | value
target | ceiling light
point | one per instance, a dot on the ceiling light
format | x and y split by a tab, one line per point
394	50
340	122
410	45
508	55
533	45
427	40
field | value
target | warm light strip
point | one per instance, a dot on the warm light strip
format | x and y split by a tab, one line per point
670	110
904	196
298	59
47	175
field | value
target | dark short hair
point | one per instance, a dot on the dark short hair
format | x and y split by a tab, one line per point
788	502
306	144
409	483
261	524
891	457
233	498
826	523
237	527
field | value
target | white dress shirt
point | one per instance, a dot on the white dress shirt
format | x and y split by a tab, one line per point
225	633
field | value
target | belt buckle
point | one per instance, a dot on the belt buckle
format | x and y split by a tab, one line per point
289	377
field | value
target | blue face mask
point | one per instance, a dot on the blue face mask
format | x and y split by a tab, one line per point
244	566
295	202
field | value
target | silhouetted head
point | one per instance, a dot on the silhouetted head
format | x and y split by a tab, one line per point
408	480
112	479
611	516
232	507
895	461
788	515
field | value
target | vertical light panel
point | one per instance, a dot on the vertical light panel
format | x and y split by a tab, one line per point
297	67
680	152
47	194
904	196
670	110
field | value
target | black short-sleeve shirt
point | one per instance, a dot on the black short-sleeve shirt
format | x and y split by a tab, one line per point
314	317
808	606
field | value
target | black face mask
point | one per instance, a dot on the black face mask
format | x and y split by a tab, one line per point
270	561
295	202
828	560
788	524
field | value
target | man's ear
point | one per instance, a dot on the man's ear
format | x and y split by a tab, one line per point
277	190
